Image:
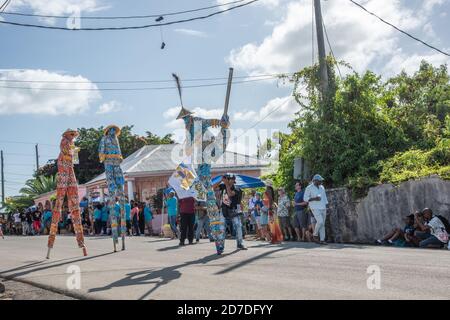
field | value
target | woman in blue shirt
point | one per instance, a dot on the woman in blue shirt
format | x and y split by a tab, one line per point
105	216
148	216
172	210
98	219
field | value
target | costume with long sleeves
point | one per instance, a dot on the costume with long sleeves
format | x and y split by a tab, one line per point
67	186
111	156
199	135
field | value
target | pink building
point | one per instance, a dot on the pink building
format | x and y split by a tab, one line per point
45	198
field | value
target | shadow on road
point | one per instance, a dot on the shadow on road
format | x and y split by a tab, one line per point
250	260
159	240
48	265
160	277
175	247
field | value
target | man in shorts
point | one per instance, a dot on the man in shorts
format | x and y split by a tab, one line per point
300	217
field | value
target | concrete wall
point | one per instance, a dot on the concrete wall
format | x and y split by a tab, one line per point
363	220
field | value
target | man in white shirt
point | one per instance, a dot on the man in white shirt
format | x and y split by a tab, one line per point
17	222
317	201
432	233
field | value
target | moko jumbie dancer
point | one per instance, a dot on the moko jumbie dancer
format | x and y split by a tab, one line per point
67	186
203	148
111	156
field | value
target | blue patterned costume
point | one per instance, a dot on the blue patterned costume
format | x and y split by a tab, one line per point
111	156
210	149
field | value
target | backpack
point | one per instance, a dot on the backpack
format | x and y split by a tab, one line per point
445	222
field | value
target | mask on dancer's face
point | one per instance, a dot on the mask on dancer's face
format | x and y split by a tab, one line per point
112	132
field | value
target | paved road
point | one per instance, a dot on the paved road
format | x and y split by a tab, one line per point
23	291
154	268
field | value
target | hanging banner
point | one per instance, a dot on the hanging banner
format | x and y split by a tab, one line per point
186	184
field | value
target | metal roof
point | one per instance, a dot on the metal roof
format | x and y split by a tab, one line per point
162	159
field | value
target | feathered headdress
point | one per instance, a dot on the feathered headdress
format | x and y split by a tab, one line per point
183	112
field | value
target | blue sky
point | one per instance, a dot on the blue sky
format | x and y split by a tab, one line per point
268	37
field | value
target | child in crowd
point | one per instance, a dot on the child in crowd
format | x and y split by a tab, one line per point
258	204
401	237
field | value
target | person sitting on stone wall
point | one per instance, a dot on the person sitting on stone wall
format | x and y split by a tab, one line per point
401	237
432	232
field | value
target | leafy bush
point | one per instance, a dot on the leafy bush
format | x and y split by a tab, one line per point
417	163
351	135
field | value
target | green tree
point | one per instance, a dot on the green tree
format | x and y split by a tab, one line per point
363	121
88	140
419	103
39	185
17	203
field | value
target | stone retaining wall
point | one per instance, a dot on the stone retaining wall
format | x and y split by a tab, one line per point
366	219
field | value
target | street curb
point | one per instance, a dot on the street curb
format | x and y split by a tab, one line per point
67	293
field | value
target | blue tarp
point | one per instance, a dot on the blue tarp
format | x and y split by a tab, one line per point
242	181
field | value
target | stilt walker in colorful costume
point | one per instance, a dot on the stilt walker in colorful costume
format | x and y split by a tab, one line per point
111	156
66	185
197	132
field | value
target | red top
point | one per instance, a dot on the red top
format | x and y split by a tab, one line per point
187	205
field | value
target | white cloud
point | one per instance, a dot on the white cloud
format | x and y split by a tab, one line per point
356	37
265	3
410	63
276	110
110	107
191	32
172	113
56	7
38	100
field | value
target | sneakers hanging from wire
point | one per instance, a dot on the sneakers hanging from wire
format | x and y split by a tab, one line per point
163	44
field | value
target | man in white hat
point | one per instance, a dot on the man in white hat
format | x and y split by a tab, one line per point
317	200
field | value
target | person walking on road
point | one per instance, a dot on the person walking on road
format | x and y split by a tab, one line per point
187	219
317	200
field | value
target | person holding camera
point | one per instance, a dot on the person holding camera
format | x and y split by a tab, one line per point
231	206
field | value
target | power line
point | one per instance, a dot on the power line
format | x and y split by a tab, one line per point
26	142
135	89
262	119
398	29
150	81
4	5
25	155
124	17
331	49
18	174
131	27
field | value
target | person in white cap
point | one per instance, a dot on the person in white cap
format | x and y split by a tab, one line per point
317	200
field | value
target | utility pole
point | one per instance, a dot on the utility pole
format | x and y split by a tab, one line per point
3	179
321	45
37	157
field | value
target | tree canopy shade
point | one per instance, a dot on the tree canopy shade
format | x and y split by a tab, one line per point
349	135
